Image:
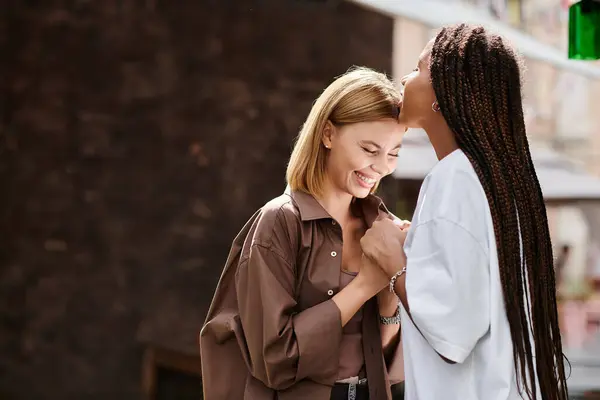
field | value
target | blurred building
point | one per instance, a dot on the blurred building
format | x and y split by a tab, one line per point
567	104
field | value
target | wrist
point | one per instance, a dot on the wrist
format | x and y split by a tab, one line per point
363	289
388	304
385	297
394	280
391	268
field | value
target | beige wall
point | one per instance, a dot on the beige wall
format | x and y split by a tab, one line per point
569	121
564	99
409	39
539	108
594	159
561	109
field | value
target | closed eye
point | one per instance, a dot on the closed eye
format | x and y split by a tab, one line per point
372	152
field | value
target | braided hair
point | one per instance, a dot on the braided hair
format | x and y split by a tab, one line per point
477	82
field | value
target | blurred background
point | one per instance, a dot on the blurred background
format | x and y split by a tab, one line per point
137	137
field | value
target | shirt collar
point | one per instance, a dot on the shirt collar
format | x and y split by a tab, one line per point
371	207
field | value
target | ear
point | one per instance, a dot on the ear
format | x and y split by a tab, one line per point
328	132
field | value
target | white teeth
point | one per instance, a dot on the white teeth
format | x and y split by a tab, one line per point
363	178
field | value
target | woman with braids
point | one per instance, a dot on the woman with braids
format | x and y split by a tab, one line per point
475	276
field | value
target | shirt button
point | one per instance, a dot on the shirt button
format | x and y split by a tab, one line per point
330	292
333	254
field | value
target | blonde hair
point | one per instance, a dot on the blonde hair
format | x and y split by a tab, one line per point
360	95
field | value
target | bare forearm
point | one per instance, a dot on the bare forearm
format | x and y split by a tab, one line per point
350	299
388	305
400	289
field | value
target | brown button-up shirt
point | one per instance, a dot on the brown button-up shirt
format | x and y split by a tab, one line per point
272	331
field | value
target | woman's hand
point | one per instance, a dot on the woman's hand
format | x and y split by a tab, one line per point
388	302
370	280
402	224
383	245
371	277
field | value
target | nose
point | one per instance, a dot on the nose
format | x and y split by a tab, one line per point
381	166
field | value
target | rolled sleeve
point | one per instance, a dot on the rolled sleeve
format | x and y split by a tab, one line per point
447	287
284	347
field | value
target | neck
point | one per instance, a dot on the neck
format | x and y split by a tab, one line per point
336	203
442	138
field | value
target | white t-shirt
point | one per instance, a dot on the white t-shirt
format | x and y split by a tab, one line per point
454	293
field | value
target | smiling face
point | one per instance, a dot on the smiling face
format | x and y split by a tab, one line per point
419	95
360	154
350	138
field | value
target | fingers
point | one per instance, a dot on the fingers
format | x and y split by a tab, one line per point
385	228
386	222
366	245
364	241
401	223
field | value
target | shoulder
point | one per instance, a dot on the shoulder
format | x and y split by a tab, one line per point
453	192
452	181
279	212
453	174
452	236
276	224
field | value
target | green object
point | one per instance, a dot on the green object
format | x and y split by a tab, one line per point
584	30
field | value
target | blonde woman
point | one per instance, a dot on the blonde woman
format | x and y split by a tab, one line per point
299	313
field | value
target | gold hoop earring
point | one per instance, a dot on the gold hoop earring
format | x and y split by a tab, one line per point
435	106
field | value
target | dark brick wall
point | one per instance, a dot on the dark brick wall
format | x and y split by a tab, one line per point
137	137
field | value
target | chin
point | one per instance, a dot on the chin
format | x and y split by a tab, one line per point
408	122
360	193
402	119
